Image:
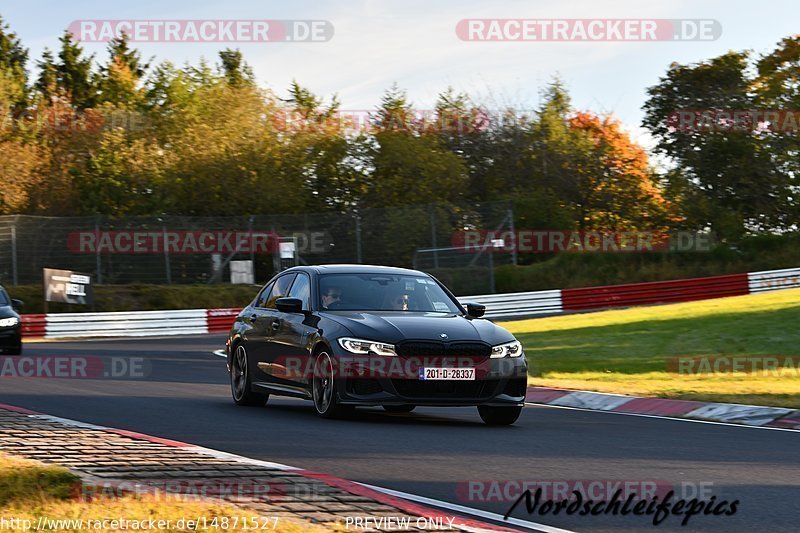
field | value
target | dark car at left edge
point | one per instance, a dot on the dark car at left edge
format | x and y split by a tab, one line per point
10	324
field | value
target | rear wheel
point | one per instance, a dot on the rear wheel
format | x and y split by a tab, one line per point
323	387
499	416
399	408
240	381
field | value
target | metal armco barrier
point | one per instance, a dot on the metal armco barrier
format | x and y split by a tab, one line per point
126	324
499	306
629	295
518	303
771	280
34	325
220	319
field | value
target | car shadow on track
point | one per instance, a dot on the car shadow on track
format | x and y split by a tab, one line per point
375	415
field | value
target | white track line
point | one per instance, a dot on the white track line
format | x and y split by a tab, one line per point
661	417
467	510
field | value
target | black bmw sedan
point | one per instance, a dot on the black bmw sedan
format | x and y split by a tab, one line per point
10	326
354	335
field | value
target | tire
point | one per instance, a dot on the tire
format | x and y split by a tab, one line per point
240	381
324	390
399	408
499	416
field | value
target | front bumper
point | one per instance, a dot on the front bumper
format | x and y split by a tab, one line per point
10	340
499	382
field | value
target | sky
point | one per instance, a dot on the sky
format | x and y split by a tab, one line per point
414	43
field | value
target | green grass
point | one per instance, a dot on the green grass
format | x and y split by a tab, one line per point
22	481
628	351
30	489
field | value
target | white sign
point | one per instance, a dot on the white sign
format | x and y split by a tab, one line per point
287	250
242	272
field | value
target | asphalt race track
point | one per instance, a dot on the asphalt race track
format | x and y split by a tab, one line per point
432	452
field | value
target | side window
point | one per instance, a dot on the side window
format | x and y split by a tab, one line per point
280	290
262	297
301	288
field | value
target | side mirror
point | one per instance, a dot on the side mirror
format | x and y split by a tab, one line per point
289	305
475	310
17	305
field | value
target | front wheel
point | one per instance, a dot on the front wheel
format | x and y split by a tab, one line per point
240	381
323	387
499	416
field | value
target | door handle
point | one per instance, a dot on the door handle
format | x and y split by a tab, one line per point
276	324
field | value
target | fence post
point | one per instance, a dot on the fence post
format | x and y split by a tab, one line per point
14	279
358	239
252	252
433	236
98	264
513	235
492	288
166	254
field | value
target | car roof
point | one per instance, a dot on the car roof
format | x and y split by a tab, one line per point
357	269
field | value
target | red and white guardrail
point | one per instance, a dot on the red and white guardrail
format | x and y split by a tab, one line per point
499	306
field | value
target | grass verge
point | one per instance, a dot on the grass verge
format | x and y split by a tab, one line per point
30	490
635	351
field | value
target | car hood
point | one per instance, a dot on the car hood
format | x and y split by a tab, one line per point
394	326
6	311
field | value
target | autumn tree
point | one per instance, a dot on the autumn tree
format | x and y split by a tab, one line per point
119	80
733	181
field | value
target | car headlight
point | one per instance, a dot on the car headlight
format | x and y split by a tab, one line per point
8	322
509	349
362	347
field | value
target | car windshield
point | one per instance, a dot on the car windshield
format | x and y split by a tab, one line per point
3	297
383	292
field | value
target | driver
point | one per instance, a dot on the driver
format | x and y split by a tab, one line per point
400	302
331	296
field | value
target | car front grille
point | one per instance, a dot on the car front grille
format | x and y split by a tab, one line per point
441	349
411	388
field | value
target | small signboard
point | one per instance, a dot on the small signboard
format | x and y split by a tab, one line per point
66	286
242	272
287	249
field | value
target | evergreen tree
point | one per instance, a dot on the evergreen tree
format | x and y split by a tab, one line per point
13	76
47	82
236	70
74	73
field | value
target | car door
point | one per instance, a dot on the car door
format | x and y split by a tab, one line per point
266	323
291	358
254	335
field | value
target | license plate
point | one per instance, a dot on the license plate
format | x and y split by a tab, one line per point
447	374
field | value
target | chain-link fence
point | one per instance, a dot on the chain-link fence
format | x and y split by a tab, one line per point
178	249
